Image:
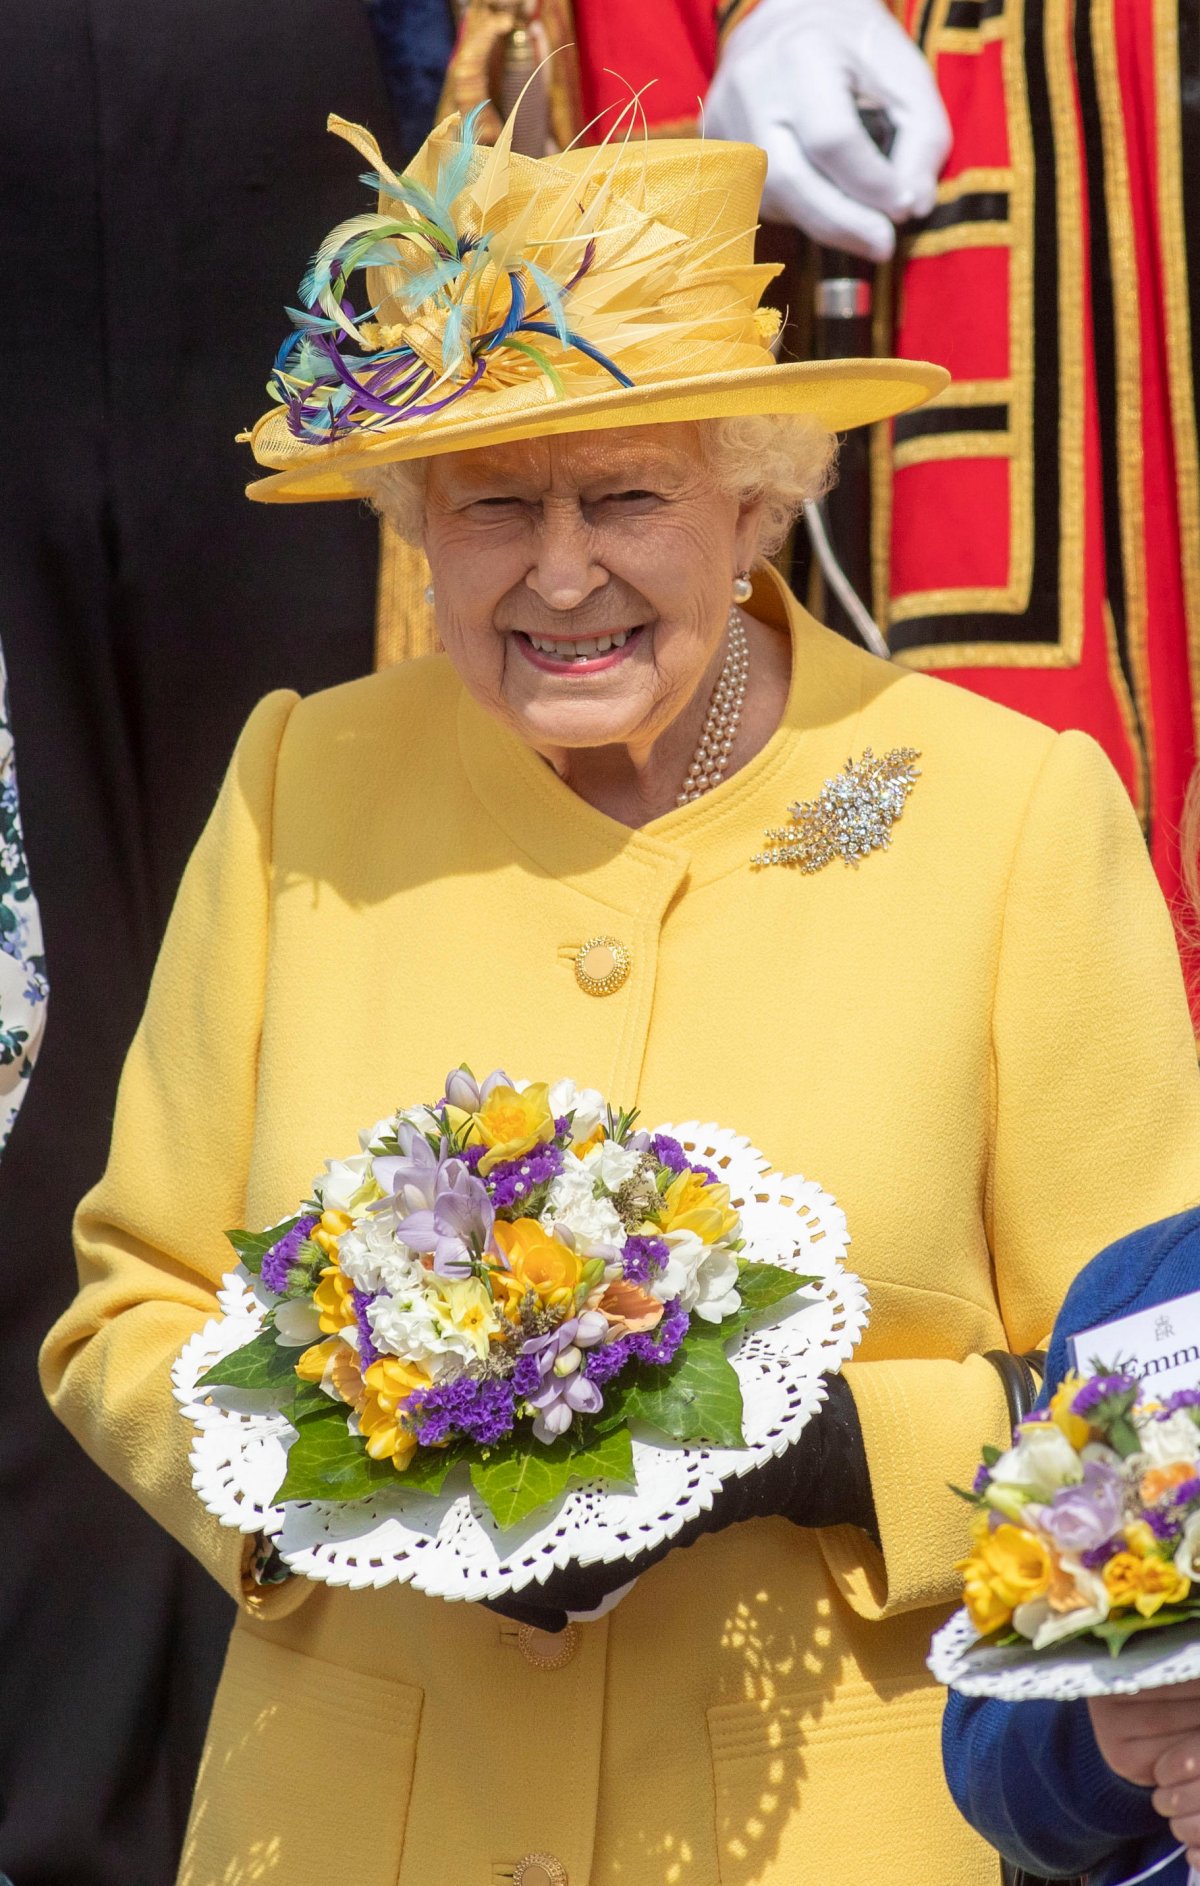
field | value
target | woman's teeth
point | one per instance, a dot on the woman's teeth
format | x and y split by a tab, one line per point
580	651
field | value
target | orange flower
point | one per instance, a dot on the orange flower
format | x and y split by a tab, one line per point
1158	1481
629	1308
537	1263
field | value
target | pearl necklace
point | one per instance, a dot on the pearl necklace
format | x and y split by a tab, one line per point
723	718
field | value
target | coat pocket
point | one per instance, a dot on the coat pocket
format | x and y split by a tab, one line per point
306	1774
818	1787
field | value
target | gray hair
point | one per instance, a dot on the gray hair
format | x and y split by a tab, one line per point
782	461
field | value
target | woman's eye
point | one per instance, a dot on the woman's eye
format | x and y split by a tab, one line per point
627	498
496	504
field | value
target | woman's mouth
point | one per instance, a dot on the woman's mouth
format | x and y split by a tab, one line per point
557	654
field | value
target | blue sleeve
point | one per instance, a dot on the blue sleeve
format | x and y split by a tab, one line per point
1031	1779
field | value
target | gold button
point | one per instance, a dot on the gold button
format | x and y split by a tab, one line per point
540	1869
602	965
548	1650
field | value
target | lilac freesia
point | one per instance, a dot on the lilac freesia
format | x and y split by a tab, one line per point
467	1094
564	1390
409	1178
1084	1517
457	1227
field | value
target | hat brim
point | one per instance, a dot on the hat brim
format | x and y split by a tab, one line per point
840	394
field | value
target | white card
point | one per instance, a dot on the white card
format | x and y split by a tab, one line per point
1161	1346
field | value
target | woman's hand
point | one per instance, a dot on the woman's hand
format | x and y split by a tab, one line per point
1177	1771
822	1480
1136	1733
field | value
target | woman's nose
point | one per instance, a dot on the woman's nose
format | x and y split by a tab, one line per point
564	570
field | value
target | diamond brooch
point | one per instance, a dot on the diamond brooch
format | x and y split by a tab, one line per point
852	815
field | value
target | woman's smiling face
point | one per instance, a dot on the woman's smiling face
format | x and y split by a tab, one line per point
583	583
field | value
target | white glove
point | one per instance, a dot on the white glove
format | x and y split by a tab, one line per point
791	79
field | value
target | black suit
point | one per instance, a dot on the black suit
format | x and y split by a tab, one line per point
164	176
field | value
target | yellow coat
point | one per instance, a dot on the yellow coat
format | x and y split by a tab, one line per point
977	1040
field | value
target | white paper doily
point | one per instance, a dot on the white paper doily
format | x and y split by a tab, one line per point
449	1545
1082	1667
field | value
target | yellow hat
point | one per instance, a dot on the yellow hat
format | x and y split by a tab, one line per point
512	297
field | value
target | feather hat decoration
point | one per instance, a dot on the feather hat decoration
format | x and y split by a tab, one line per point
509	296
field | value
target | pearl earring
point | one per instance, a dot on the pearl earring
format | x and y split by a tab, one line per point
429	594
743	588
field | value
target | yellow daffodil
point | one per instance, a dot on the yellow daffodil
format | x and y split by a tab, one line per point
1007	1567
537	1263
468	1306
1145	1583
313	1363
388	1383
332	1226
1073	1426
334	1301
692	1204
1140	1539
511	1124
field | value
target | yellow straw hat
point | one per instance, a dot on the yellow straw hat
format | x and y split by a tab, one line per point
511	297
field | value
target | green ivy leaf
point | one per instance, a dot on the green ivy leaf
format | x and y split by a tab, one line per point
524	1475
327	1462
761	1287
262	1363
1116	1632
252	1246
697	1397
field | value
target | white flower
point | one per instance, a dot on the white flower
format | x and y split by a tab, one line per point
373	1260
1042	1625
297	1323
586	1103
611	1163
1164	1443
347	1185
716	1285
1042	1461
410	1327
371	1137
595	1228
1187	1556
420	1117
678	1278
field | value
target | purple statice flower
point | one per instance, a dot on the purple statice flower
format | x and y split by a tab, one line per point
471	1155
1099	1556
668	1152
367	1352
1182	1398
564	1389
457	1228
1164	1526
657	1347
1100	1389
1184	1495
562	1126
982	1480
601	1364
279	1259
644	1258
1082	1517
512	1181
482	1411
526	1378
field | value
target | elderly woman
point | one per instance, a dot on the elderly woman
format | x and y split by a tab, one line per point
545	849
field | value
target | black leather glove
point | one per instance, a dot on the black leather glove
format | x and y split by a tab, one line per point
822	1479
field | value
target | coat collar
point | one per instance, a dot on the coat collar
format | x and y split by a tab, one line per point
719	833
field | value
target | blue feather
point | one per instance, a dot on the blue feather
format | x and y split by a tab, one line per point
551	294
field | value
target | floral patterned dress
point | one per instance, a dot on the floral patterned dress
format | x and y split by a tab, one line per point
23	985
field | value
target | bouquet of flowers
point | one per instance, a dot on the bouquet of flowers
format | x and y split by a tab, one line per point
509	1280
1086	1535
